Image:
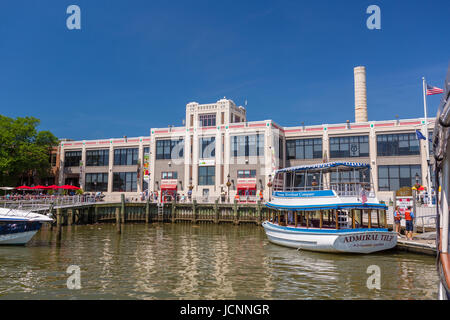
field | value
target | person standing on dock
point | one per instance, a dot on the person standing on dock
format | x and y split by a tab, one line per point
409	216
397	219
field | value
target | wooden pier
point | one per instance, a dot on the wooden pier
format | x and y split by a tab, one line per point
147	212
422	246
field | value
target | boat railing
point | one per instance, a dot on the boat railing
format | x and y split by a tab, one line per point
343	189
353	189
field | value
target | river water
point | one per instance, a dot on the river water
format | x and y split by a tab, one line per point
207	261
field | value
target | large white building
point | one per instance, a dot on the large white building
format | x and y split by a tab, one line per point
218	151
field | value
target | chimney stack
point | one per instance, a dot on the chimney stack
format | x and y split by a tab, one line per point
360	94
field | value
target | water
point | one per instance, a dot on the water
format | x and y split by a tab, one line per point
185	261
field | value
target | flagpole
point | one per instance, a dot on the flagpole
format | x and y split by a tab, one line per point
427	144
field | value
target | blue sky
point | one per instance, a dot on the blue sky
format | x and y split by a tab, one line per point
135	64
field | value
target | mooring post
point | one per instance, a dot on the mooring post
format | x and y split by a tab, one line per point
174	207
58	223
122	208
194	211
147	210
118	219
69	217
258	212
216	211
235	212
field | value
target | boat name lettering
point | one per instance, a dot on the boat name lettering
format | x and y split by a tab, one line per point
319	193
369	237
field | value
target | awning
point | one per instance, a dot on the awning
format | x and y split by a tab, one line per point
246	186
169	186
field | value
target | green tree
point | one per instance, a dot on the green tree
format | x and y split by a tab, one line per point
24	151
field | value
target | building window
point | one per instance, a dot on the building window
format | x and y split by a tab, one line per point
245	146
124	181
207	148
97	158
392	178
347	147
169	175
146	150
350	176
401	144
53	159
72	158
304	149
169	149
246	174
125	157
96	182
207	120
206	176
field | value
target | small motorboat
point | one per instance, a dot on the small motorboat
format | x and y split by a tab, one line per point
328	207
17	227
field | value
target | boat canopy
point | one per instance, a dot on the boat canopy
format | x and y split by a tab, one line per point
327	166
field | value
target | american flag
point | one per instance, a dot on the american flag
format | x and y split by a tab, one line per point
433	90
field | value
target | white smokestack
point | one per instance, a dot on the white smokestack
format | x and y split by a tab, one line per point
360	94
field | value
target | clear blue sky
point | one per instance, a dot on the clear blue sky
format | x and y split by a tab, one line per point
135	64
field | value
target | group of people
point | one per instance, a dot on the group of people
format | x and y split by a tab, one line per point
408	215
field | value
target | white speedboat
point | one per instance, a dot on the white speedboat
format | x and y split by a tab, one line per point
329	207
17	227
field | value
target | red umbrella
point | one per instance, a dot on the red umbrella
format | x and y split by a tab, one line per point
23	188
38	187
53	187
67	187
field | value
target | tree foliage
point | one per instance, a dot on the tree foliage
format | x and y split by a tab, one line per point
24	151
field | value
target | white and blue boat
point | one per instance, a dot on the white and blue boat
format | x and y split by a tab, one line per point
17	227
328	207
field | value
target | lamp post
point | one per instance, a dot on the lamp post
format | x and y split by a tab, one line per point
228	187
269	184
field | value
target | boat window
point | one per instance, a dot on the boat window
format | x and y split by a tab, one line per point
278	182
299	181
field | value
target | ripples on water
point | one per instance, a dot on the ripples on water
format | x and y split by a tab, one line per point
184	261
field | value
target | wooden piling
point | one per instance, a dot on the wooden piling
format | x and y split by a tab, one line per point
258	212
69	217
235	213
194	211
118	220
216	211
122	208
147	210
174	208
58	223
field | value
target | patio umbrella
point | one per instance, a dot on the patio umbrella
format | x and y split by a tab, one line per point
67	187
38	187
54	187
24	188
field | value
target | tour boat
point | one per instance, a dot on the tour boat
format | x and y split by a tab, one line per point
441	150
17	227
328	207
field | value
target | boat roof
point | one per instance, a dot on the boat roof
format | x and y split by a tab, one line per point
326	166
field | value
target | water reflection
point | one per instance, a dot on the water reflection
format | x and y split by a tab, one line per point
182	261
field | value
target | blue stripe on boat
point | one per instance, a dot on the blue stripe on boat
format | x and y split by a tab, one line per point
331	206
304	230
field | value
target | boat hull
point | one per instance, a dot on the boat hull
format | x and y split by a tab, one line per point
325	240
20	238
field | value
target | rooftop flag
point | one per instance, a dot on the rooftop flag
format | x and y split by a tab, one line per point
433	90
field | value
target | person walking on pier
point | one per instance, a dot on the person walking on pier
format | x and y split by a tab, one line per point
409	216
397	219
